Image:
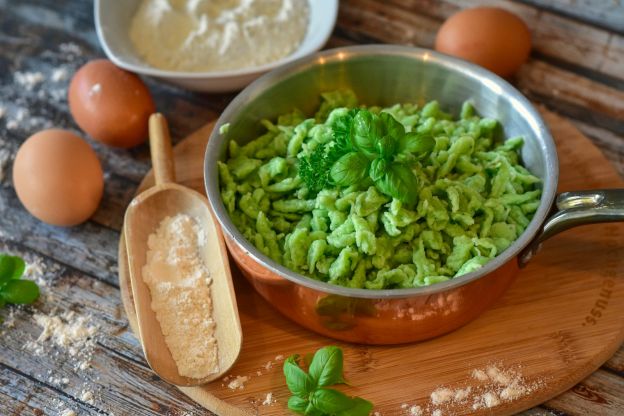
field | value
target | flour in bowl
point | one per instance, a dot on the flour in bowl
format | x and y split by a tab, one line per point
179	283
216	35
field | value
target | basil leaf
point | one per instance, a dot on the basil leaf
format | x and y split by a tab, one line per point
399	182
326	366
378	169
297	404
393	128
331	401
386	147
20	292
360	407
19	266
367	129
349	169
307	359
419	144
313	411
341	130
297	380
6	268
11	267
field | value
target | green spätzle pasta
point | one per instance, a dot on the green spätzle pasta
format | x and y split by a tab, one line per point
374	198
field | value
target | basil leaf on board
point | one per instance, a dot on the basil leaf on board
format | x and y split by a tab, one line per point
20	292
367	129
313	411
393	127
307	359
11	267
419	144
326	366
399	182
378	169
6	268
360	407
349	169
331	401
297	404
19	266
297	380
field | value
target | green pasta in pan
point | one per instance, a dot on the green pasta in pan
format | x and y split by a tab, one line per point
379	198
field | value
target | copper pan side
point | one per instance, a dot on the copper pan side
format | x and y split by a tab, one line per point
376	320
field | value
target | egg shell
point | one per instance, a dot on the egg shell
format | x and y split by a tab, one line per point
488	36
110	104
58	177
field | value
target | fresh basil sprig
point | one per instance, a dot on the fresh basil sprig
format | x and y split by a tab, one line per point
367	144
311	395
377	145
12	288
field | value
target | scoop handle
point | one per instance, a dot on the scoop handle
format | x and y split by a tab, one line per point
160	147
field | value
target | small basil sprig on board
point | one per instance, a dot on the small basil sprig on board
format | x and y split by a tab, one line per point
311	395
377	145
12	288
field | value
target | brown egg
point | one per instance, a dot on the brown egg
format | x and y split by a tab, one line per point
493	38
58	177
110	104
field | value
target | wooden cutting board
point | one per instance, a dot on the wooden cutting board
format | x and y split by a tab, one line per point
562	318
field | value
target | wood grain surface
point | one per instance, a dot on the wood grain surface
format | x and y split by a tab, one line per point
558	323
576	69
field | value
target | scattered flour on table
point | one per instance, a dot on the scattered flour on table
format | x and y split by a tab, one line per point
269	400
87	396
415	411
69	330
442	395
70	48
69	337
73	333
59	74
9	321
48	83
494	385
238	383
179	282
28	80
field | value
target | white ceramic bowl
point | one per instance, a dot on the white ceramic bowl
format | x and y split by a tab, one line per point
112	22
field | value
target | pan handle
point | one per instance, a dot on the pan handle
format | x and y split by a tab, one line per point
577	208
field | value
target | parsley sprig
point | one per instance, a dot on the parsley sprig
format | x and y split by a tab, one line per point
13	289
311	396
367	144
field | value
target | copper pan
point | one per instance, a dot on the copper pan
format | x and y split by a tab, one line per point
384	75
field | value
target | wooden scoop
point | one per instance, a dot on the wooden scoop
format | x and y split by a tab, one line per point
143	216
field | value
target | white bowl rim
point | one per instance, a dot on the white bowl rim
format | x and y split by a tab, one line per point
331	7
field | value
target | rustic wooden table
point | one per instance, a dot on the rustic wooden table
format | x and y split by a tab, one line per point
576	69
